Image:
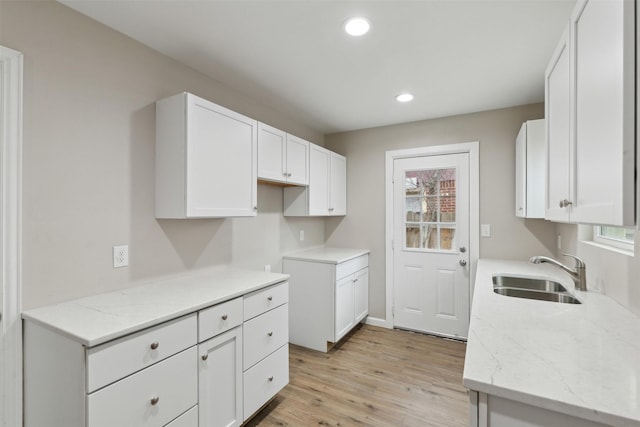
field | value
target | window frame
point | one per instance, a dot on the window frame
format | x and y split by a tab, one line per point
603	239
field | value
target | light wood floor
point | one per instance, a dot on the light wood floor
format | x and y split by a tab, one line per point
376	377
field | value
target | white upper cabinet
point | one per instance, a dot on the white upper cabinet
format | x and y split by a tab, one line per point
559	147
530	170
590	111
603	42
282	157
326	194
206	160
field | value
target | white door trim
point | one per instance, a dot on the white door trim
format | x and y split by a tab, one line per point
473	148
11	236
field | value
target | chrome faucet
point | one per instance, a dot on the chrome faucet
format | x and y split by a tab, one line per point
578	274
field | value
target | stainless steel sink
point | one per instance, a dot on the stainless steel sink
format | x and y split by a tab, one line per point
532	288
528	283
537	295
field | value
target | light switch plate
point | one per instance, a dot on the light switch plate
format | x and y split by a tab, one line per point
485	230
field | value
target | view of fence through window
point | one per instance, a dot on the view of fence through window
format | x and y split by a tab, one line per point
430	208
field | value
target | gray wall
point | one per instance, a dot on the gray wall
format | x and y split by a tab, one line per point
364	226
89	130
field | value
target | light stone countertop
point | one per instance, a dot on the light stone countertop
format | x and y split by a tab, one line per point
326	255
582	359
100	318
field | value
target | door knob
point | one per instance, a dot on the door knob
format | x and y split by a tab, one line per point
463	262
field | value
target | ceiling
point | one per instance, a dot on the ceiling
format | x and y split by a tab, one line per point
455	56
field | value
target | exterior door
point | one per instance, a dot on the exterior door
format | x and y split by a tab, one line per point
431	244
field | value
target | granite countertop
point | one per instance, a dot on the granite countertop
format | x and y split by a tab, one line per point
326	255
100	318
582	359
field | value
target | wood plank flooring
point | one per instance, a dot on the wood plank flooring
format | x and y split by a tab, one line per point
376	377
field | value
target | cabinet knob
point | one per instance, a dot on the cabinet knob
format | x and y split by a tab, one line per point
255	208
284	174
225	317
330	209
564	203
289	175
154	345
155	400
463	262
270	378
205	356
270	334
269	298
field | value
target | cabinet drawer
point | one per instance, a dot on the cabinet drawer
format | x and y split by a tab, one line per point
264	300
111	361
264	334
188	419
219	318
174	381
349	267
264	380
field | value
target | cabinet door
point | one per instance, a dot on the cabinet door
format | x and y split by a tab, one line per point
559	150
272	156
297	160
338	182
318	180
344	307
220	380
521	172
361	294
221	161
604	50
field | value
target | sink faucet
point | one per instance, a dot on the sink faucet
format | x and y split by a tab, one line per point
578	274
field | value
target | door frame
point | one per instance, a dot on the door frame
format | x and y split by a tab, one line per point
11	80
473	149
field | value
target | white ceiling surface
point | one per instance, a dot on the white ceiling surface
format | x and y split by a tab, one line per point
455	56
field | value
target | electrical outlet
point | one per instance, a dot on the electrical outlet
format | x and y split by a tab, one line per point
301	235
120	256
267	268
485	230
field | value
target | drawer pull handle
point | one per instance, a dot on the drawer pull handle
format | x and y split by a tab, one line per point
270	378
269	298
205	356
155	400
155	345
225	317
270	334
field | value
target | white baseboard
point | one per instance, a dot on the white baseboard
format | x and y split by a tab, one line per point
375	321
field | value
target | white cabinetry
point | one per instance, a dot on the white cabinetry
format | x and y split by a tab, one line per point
266	346
146	379
329	294
487	410
599	124
326	194
110	361
530	170
206	160
220	365
282	157
559	183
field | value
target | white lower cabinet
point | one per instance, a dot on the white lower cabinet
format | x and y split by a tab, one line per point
487	410
328	296
220	380
213	367
151	397
266	348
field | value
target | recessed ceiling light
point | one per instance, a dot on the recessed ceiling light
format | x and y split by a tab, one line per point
404	97
357	26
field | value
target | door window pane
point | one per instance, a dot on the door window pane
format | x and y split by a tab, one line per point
430	209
